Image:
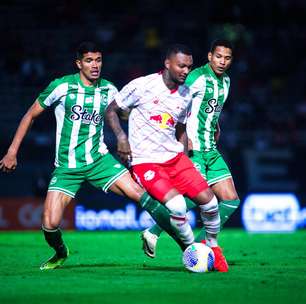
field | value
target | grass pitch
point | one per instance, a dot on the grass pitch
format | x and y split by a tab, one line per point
109	267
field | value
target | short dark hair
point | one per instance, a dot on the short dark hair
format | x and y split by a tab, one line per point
221	42
85	47
177	48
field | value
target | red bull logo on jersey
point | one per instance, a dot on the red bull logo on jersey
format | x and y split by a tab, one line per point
164	120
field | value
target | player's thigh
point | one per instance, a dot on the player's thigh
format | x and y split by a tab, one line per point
217	169
54	206
63	186
105	172
225	190
187	179
155	180
125	185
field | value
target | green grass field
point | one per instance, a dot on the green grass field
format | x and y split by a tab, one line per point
109	267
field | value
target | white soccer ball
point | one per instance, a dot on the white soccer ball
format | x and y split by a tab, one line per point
198	257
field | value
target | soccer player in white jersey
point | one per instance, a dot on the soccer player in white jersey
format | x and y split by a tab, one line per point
79	101
159	104
210	87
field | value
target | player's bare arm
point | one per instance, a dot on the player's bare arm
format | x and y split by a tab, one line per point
9	161
181	136
112	118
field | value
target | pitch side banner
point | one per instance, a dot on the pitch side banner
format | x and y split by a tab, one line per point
96	210
25	213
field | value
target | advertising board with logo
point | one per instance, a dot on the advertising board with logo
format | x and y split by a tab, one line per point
25	213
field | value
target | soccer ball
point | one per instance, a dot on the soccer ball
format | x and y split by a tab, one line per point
198	257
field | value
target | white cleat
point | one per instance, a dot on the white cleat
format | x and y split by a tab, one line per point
149	241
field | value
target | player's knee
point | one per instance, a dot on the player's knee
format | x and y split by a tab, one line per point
204	197
49	221
177	205
229	196
233	197
209	194
52	225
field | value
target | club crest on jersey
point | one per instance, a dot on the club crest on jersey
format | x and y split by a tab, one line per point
104	100
85	116
213	106
53	180
164	120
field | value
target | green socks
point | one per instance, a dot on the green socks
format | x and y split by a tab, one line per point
161	215
54	238
226	209
155	229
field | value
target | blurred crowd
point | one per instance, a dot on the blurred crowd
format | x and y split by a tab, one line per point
267	103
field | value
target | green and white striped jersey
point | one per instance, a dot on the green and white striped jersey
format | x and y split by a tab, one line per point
209	93
79	112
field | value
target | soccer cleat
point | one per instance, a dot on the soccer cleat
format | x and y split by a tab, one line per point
203	242
149	241
220	263
55	261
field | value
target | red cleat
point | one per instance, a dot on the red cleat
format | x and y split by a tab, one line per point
220	261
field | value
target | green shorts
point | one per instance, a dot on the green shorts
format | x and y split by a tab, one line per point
101	174
211	165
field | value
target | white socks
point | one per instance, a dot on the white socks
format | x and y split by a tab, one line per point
211	220
209	214
178	219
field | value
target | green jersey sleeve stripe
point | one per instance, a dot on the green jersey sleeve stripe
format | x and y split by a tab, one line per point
52	93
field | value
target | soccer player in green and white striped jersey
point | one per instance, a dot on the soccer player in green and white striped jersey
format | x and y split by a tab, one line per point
210	86
79	101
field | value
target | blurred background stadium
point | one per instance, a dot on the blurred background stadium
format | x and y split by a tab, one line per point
263	123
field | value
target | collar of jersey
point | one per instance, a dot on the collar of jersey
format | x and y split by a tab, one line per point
172	91
212	73
78	79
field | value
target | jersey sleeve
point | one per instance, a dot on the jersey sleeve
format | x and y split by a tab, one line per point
112	93
197	90
130	95
49	95
184	114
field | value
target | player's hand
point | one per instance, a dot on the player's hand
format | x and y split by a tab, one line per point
8	163
124	150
